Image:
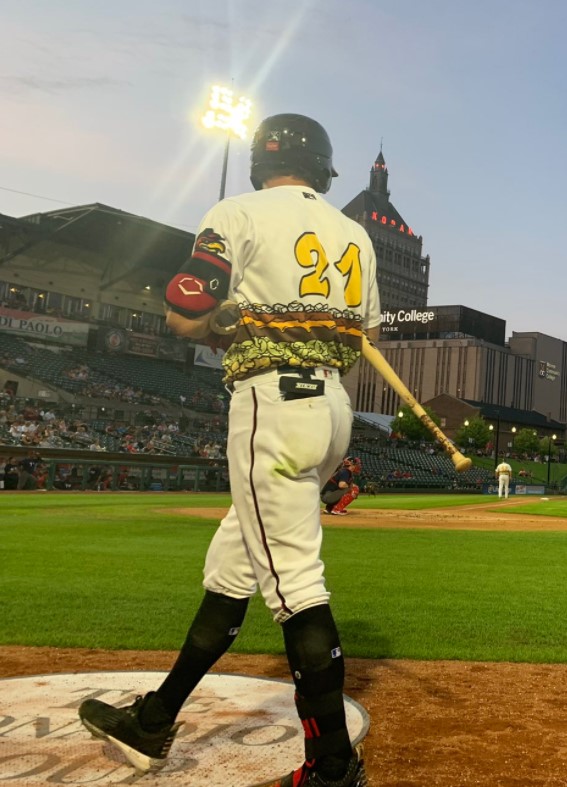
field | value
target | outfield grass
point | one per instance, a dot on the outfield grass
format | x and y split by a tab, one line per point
117	571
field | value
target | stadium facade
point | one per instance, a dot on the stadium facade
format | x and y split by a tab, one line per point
94	276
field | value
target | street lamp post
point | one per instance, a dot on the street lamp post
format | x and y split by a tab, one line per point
470	440
229	115
491	427
513	430
549	439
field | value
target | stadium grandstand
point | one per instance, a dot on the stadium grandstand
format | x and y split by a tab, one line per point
97	391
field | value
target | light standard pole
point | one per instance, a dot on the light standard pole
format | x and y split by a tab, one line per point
230	116
549	439
224	167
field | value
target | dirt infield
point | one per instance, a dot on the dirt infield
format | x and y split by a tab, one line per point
493	515
433	724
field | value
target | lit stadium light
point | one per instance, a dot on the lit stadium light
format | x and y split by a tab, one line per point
226	113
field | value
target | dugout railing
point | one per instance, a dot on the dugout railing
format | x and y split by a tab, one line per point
124	475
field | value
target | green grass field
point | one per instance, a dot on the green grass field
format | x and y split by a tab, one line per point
121	571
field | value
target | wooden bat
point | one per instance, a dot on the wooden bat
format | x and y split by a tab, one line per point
377	360
225	318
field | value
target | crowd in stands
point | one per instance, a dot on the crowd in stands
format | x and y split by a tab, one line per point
197	430
387	463
32	426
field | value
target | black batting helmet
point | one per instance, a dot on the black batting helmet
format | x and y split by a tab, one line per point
292	145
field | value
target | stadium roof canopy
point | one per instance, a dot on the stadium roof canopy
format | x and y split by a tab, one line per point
377	420
117	244
526	418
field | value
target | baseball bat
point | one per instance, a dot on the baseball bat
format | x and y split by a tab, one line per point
375	358
224	320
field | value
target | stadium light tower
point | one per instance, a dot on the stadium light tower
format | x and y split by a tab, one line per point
225	113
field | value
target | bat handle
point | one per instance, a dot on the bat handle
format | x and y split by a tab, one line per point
224	318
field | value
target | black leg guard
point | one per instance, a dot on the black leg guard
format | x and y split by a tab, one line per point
212	632
314	651
317	665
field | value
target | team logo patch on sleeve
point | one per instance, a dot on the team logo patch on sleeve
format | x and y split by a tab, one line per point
210	241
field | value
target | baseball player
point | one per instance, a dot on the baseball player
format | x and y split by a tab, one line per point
340	490
504	474
304	278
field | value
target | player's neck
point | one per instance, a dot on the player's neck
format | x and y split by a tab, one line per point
284	180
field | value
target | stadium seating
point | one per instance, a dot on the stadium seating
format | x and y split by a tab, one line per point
135	379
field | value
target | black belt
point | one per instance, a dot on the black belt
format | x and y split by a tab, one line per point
287	368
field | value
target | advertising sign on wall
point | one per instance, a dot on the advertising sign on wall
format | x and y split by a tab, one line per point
204	356
118	340
44	327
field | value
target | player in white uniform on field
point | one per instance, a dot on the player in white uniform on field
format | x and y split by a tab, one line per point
504	474
304	278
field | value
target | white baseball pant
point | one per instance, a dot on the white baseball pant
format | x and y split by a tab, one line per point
280	455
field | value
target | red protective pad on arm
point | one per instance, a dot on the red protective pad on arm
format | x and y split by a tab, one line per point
186	295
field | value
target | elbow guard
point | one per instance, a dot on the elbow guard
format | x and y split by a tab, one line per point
203	280
188	296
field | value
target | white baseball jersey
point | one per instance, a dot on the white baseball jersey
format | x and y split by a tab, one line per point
503	468
303	274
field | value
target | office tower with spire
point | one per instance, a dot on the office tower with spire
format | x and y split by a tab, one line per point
403	273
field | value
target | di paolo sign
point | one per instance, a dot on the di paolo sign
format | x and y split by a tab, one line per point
405	319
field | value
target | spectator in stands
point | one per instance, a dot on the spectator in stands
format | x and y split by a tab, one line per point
16	430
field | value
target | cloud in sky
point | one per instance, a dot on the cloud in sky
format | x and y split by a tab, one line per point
101	102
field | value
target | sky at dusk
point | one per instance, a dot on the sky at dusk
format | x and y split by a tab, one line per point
100	102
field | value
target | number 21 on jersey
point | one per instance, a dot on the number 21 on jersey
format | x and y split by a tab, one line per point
309	253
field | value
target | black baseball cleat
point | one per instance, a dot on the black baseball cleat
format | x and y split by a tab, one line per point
307	775
144	750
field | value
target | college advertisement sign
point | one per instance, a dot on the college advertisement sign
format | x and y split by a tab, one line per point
44	327
410	319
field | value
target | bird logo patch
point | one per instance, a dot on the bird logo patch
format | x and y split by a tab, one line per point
210	241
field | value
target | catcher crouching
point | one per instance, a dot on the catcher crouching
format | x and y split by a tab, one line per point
340	490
